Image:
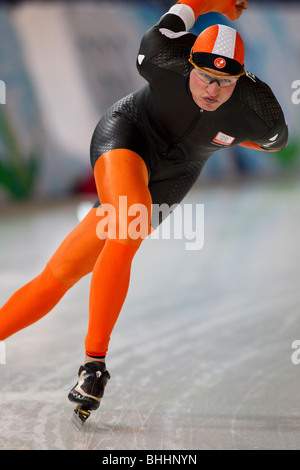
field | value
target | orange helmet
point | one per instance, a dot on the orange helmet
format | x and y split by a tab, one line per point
221	48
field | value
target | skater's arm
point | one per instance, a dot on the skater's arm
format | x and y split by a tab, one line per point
182	16
188	12
275	140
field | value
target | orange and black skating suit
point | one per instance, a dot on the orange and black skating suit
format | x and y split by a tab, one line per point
169	131
150	147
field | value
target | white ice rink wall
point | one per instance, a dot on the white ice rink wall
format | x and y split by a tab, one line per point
64	64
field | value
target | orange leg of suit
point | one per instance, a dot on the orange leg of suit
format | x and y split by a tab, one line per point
117	173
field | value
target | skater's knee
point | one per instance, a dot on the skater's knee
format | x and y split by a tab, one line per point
65	272
69	267
78	253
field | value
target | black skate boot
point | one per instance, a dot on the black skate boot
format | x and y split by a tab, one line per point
87	393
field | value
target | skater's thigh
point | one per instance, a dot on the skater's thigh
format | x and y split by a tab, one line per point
122	181
77	254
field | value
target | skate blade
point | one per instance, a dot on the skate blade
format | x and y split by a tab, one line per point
79	417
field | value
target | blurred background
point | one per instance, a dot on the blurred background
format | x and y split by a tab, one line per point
63	63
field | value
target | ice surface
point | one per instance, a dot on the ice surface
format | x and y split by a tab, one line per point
201	355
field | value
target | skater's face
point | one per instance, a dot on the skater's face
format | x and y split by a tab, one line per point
208	92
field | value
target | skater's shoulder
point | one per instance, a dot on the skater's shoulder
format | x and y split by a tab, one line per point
251	88
258	96
167	46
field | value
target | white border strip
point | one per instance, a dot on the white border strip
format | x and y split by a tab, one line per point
184	12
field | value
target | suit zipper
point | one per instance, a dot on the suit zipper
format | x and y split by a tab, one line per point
187	132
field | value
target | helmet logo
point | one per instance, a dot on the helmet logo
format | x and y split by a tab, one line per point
220	63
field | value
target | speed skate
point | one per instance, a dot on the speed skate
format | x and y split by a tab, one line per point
88	391
80	415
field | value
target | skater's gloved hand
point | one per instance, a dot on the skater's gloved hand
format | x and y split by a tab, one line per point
240	6
232	9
